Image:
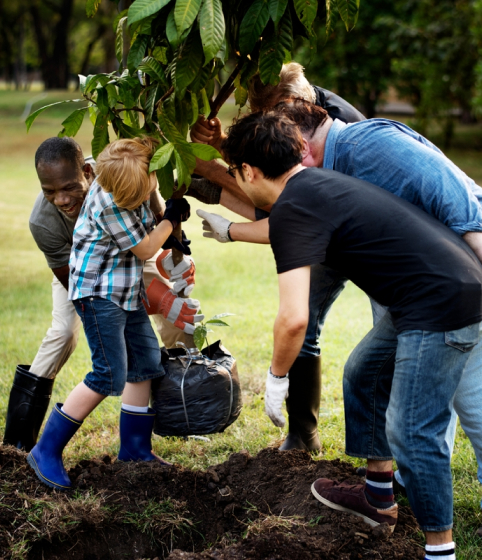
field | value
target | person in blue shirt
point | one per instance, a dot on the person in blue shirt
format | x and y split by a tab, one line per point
113	237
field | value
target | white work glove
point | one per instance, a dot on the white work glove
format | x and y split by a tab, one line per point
215	226
182	275
276	393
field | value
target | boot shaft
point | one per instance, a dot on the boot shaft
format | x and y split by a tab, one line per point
28	403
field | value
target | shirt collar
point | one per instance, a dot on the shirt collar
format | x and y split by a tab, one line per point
330	144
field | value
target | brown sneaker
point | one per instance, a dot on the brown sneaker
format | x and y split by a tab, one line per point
350	498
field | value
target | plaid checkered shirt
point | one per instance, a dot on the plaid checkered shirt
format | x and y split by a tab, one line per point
101	263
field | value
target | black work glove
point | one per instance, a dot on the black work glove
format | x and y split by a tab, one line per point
177	210
182	246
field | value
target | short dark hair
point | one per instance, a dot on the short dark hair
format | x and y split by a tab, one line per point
308	117
56	149
269	141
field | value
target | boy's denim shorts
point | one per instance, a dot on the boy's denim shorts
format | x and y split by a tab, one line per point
122	343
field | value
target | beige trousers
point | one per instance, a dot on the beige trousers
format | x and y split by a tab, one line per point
61	338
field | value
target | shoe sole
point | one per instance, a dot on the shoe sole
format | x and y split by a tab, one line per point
332	505
31	461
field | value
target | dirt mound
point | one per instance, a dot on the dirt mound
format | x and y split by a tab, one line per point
247	507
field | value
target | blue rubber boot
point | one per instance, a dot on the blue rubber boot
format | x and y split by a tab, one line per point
46	457
135	436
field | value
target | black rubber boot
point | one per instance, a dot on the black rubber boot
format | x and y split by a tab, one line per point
303	405
28	403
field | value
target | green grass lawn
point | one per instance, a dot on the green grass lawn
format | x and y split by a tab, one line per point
236	278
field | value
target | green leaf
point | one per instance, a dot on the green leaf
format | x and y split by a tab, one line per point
129	89
126	131
150	66
169	130
102	100
185	13
194	108
145	26
330	17
117	18
91	7
112	96
306	12
206	105
212	28
151	99
101	135
93	80
137	51
171	30
240	96
276	9
253	25
200	336
73	122
348	10
159	53
189	60
82	80
141	9
119	39
183	174
204	152
161	157
29	120
165	177
273	50
221	315
216	323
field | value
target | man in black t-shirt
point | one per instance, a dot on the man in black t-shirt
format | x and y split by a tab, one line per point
303	402
429	279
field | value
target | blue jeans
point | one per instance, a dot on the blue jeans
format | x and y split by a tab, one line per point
405	412
326	285
122	343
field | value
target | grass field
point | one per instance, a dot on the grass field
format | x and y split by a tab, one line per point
236	278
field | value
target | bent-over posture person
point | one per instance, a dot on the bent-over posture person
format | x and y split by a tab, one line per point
114	234
303	402
427	276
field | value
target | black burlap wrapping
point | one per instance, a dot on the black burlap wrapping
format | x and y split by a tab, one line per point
198	395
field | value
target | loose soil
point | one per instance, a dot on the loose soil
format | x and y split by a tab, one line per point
247	507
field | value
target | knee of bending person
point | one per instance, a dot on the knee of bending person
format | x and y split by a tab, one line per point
67	336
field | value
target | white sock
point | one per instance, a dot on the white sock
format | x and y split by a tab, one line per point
132	408
444	551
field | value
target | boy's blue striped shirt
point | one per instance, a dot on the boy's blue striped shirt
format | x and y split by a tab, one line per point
101	263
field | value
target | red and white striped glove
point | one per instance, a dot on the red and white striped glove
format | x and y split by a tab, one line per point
182	275
181	312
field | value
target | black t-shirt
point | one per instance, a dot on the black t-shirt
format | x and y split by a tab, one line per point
426	275
336	106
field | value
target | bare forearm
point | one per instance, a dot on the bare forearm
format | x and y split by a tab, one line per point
292	319
474	241
153	241
232	202
288	340
251	232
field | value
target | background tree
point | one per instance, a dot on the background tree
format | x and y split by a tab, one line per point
357	63
434	59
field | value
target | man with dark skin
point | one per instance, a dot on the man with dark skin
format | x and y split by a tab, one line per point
65	178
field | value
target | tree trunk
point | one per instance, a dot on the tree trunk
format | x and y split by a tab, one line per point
53	53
